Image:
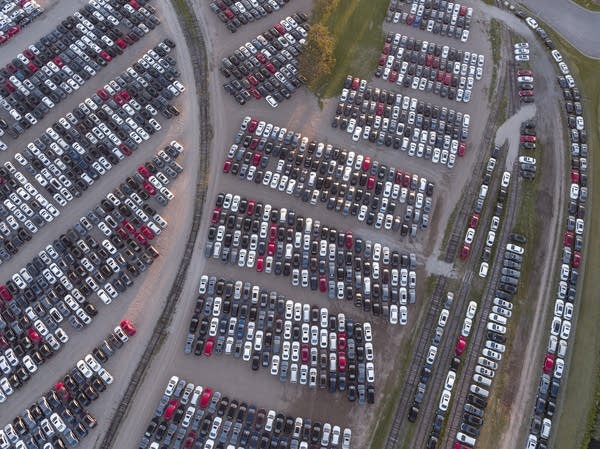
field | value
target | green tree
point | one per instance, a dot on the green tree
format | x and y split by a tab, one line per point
317	59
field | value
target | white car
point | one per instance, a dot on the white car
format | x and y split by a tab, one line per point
445	400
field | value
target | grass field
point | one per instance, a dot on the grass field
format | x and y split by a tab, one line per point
356	29
589	4
579	394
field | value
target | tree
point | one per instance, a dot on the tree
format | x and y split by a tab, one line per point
317	58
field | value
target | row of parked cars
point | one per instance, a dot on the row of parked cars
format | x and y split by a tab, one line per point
61	282
553	365
235	14
194	416
73	153
104	129
61	62
15	15
297	342
495	344
59	418
23	210
426	371
436	16
316	172
525	83
427	66
475	216
528	139
279	241
389	118
267	66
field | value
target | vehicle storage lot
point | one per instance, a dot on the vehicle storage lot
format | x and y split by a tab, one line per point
224	373
151	287
300	114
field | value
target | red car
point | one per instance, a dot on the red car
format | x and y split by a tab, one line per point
549	363
227	166
576	259
121	43
208	346
140	238
526	93
142	170
528	139
474	220
125	95
205	397
568	238
349	240
279	27
342	362
229	13
342	343
255	93
170	410
121	232
260	262
128	327
379	109
147	232
440	76
261	58
252	125
464	252
271	249
406	180
524	73
62	392
125	149
322	284
393	76
270	67
305	353
252	80
103	94
128	226
461	344
119	100
105	56
370	182
250	207
5	293
575	176
33	335
273	233
447	79
355	83
31	66
256	159
216	215
366	163
13	30
149	188
189	440
59	62
458	445
462	148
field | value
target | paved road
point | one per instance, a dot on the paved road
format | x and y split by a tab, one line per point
576	24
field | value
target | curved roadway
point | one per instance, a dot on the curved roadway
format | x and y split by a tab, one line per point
576	24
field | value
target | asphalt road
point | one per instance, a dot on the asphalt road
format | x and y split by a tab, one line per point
576	24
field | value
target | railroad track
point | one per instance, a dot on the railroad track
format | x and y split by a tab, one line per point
405	399
460	391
